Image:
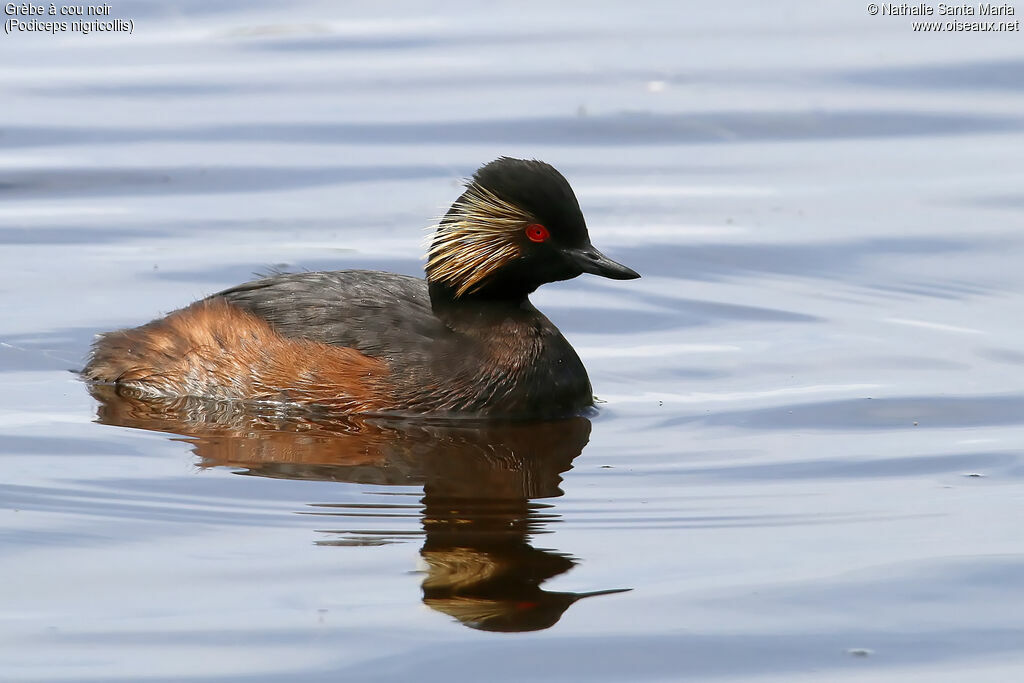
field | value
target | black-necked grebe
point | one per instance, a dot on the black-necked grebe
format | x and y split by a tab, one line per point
464	341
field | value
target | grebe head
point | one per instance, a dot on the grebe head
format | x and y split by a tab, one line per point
517	226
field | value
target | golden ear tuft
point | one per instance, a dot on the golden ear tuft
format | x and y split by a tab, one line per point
476	240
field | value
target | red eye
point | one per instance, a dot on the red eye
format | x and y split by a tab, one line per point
536	232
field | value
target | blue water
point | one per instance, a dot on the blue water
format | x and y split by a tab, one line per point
809	459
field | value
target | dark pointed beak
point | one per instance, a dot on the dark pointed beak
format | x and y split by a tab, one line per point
607	591
592	261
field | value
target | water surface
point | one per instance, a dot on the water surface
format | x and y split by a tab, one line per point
808	462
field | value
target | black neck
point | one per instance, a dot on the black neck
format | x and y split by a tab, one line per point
488	302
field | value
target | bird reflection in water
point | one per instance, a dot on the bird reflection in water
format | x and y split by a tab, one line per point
478	478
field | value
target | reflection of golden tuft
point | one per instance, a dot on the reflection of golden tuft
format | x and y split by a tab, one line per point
473	612
476	239
457	568
478	479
